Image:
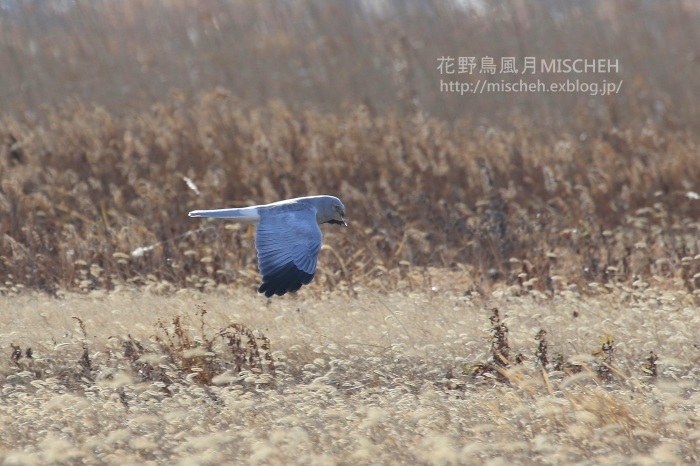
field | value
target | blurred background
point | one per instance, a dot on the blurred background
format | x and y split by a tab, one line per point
129	54
117	117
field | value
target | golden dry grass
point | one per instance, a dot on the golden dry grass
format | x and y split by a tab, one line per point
376	379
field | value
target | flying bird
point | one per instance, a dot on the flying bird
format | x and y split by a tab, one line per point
288	237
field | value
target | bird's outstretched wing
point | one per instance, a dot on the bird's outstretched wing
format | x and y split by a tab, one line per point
288	241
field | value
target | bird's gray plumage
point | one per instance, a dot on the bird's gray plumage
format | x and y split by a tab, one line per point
288	238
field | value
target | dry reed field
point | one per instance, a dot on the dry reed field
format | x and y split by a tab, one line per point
519	283
408	386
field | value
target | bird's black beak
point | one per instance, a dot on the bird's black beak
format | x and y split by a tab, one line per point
342	220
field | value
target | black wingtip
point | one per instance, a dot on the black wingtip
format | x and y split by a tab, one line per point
287	279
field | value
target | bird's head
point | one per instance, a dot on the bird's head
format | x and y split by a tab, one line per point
333	211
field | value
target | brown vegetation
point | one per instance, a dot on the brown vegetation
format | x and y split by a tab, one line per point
91	200
541	191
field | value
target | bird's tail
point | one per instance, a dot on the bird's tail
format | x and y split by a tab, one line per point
245	214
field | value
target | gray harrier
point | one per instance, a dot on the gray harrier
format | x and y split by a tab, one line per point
288	237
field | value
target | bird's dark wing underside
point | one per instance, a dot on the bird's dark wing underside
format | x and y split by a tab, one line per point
288	242
286	279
